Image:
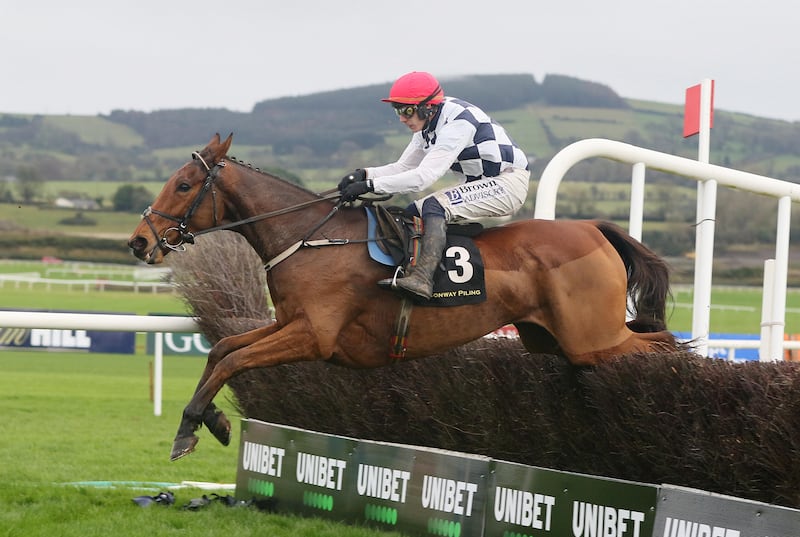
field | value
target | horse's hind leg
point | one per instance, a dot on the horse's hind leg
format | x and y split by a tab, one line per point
642	343
663	341
537	340
649	342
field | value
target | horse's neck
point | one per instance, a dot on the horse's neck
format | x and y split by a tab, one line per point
257	194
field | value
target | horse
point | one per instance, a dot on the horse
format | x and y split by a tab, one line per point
564	285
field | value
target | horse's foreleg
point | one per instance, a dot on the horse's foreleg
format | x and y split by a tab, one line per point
213	418
291	343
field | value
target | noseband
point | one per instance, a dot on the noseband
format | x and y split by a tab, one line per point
180	233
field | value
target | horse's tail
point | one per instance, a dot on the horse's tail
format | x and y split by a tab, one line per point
648	279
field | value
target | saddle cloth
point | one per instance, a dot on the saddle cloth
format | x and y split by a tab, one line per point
394	241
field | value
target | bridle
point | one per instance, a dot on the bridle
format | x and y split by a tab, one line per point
175	238
181	230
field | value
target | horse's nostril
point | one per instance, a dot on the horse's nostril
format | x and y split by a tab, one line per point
137	244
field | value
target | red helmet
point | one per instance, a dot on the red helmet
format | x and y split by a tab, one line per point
417	87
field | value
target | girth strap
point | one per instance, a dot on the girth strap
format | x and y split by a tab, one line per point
302	244
400	338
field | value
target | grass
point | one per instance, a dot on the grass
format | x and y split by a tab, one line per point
75	417
76	300
97	130
734	310
82	418
98	189
32	217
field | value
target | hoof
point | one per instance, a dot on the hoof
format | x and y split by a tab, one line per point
183	446
219	426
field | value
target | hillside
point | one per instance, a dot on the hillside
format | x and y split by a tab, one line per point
318	136
313	139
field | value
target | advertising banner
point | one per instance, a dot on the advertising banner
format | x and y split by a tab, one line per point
696	513
68	340
715	351
427	492
420	492
528	501
430	492
180	343
294	470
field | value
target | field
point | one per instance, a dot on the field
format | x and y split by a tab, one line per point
81	441
81	438
111	224
104	190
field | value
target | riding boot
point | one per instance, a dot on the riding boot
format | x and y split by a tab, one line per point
420	282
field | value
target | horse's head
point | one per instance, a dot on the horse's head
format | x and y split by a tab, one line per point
187	204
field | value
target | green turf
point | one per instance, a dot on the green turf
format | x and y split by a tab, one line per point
88	419
83	418
61	298
733	310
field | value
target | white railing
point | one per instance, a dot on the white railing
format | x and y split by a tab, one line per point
776	273
33	280
732	345
108	322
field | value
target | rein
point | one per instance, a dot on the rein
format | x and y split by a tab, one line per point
270	214
185	237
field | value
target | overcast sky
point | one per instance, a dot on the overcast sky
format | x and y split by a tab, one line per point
93	56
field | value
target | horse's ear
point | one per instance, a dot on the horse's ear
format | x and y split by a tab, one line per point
225	145
218	150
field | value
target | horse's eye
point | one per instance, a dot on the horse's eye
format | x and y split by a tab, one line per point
184	187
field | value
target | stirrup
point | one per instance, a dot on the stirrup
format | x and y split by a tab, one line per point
391	283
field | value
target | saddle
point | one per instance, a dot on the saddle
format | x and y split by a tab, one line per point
397	234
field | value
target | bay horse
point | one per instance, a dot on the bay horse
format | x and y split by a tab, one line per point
562	284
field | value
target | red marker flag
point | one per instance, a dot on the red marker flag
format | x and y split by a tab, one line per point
691	110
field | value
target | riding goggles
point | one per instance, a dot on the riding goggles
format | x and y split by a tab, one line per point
405	110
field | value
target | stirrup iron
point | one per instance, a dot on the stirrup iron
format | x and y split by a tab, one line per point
391	283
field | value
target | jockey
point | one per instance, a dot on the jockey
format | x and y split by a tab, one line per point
448	134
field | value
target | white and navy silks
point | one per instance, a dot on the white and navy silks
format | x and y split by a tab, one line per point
493	170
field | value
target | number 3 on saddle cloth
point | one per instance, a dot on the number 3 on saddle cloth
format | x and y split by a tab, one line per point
394	240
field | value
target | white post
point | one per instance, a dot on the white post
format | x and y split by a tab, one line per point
704	240
637	201
778	316
766	310
158	369
635	218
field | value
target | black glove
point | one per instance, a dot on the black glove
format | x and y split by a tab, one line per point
354	190
352	177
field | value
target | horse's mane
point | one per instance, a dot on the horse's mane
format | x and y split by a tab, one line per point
270	175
